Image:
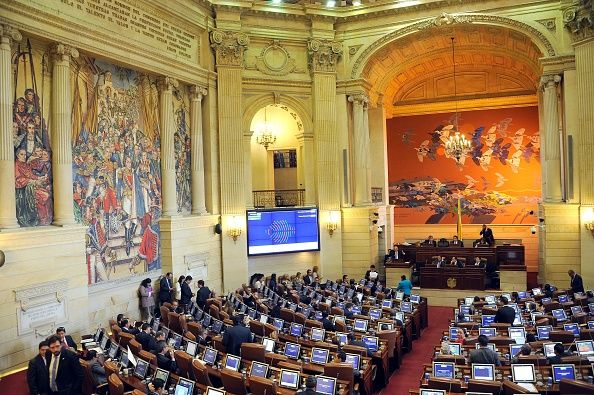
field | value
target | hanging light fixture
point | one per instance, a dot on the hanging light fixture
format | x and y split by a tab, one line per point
457	146
266	137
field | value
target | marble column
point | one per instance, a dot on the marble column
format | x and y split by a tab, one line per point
7	191
167	129
197	169
551	140
360	150
229	48
324	56
61	132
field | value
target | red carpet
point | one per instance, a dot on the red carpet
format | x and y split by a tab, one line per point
14	384
407	377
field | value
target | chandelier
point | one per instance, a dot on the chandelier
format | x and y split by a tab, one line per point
457	146
266	137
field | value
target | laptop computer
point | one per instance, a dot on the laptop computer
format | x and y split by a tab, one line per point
210	356
585	348
482	371
360	325
318	334
563	371
325	385
319	356
524	375
232	362
161	374
354	359
184	387
259	369
292	350
141	368
443	369
289	379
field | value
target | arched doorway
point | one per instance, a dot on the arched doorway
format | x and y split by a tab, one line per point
494	102
276	150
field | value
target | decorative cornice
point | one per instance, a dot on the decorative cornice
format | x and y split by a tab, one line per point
166	83
229	47
323	55
9	33
446	19
197	92
63	52
579	20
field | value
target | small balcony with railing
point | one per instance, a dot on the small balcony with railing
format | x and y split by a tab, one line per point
269	198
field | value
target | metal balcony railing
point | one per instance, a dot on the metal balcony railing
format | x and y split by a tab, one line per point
278	198
377	195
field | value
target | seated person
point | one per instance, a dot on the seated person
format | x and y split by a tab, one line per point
371	274
342	358
348	310
96	368
457	243
310	387
441	261
484	354
429	242
146	340
359	343
456	262
328	325
129	328
166	357
478	262
482	242
559	354
524	351
156	387
443	243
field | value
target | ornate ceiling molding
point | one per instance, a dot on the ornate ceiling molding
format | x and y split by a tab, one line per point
579	20
229	47
323	55
445	20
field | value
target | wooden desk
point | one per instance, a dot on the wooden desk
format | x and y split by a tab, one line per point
453	278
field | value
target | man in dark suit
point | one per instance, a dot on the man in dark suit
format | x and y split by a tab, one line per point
145	339
327	324
203	294
487	234
456	242
166	288
484	354
235	336
577	285
37	372
505	314
129	328
430	242
359	343
65	339
308	278
186	292
166	357
65	372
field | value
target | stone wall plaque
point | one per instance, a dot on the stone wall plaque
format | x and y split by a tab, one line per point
197	265
131	20
41	307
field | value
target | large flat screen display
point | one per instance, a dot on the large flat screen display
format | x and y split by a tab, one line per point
282	230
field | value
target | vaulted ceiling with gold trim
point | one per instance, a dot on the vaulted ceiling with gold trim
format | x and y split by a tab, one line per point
491	62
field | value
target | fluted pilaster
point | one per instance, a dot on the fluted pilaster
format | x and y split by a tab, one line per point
584	61
361	150
167	129
61	132
197	169
7	191
552	147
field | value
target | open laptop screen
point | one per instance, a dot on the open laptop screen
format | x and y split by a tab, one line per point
523	373
483	371
325	385
292	350
317	334
319	355
141	368
184	387
564	371
585	347
259	369
232	362
289	379
354	359
443	369
210	356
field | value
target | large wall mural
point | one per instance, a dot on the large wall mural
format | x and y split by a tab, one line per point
32	148
498	181
183	150
116	163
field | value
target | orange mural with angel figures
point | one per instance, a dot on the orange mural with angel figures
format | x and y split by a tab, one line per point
497	180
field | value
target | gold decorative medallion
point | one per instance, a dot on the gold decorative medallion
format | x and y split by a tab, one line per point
452	282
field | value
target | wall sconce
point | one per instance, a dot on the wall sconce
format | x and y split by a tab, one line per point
589	220
234	230
333	218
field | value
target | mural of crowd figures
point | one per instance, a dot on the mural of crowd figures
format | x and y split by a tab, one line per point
183	149
116	167
497	181
32	150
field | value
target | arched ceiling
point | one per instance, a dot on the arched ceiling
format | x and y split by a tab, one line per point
490	62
